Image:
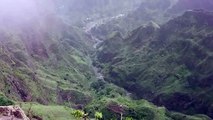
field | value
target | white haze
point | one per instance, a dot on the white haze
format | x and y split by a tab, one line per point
21	11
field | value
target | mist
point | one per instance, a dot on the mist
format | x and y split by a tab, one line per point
24	11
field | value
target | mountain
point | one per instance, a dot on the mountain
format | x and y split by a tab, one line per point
152	10
184	5
170	65
78	11
158	11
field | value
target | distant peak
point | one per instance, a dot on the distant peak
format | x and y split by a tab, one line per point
199	14
198	11
197	17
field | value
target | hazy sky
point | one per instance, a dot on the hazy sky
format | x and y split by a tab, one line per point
24	10
17	7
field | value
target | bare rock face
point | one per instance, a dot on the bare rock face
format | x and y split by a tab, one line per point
12	113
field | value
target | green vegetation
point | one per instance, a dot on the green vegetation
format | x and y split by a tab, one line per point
98	115
78	114
128	118
49	64
35	67
50	112
170	65
5	101
112	108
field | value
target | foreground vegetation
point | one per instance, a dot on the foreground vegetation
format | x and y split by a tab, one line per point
141	110
50	112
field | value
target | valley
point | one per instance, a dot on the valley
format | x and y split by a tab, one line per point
153	54
128	60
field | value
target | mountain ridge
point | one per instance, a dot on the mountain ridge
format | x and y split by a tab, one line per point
162	58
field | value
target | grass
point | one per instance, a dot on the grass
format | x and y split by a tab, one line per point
51	112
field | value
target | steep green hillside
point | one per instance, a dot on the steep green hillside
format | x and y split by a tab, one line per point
42	59
170	65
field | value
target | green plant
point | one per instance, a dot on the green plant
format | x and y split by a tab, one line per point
78	114
128	118
98	115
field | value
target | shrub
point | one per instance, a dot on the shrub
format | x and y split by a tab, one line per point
97	85
98	115
78	114
5	101
128	118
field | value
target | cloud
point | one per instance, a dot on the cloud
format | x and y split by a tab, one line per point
17	7
21	11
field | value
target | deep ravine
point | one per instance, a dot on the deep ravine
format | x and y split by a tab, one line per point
88	30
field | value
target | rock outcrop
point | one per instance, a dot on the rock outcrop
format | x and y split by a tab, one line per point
12	113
